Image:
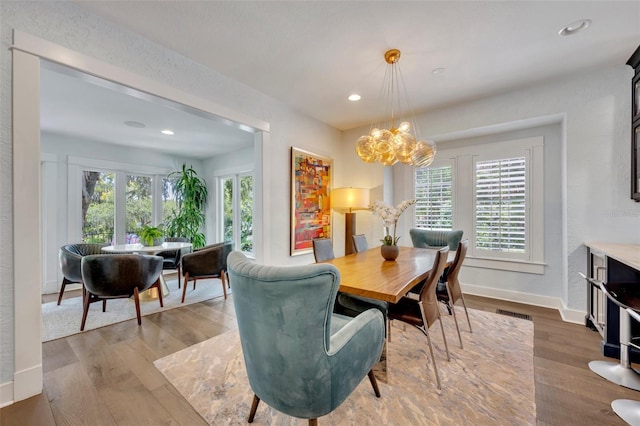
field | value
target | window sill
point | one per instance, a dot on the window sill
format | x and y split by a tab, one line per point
505	265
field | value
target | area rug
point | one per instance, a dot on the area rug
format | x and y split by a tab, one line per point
64	320
489	382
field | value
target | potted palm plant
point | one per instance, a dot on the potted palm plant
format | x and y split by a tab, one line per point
187	219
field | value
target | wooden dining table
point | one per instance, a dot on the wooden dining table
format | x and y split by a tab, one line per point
367	274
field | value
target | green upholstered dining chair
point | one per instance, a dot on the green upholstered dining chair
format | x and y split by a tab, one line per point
301	358
428	238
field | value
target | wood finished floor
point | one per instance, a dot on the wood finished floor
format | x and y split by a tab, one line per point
106	376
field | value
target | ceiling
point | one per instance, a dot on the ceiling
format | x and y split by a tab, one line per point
312	54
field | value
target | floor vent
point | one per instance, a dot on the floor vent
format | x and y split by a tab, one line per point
514	314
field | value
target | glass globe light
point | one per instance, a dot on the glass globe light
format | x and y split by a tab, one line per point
403	146
383	142
365	149
423	153
404	126
387	158
375	132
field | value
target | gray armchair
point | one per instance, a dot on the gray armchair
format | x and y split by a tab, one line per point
70	256
171	258
207	262
114	276
301	359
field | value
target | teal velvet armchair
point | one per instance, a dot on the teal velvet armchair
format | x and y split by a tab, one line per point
427	238
301	359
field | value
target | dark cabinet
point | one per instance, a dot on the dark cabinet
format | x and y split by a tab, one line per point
634	62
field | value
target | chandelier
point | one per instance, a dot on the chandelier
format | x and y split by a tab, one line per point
395	144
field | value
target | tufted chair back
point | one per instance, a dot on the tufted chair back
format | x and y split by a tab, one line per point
427	238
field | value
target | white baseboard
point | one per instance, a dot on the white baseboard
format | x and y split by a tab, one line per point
27	383
568	315
6	394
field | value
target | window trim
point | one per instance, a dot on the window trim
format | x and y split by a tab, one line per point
463	176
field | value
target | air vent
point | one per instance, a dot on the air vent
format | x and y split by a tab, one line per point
514	314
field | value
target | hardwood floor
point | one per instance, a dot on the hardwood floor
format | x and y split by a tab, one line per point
106	376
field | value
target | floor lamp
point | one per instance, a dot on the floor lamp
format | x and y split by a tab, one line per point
350	199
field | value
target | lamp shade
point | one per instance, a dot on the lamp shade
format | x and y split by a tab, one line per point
350	198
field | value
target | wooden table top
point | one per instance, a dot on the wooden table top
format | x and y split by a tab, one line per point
368	274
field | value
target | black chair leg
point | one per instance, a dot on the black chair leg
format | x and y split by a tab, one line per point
87	302
374	383
254	407
137	300
64	284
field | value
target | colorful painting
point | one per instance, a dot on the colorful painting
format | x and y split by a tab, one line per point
311	177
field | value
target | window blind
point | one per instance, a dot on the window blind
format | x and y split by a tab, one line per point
500	189
433	194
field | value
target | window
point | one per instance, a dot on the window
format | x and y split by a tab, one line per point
501	205
433	194
139	206
494	193
98	208
236	210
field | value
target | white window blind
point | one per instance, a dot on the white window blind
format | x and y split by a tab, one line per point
501	202
433	194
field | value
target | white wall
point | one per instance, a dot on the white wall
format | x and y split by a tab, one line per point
69	25
595	107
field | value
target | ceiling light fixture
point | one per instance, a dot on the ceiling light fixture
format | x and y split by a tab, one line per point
167	132
388	146
575	27
355	97
437	71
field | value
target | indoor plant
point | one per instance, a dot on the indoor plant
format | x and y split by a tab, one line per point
390	216
191	198
151	235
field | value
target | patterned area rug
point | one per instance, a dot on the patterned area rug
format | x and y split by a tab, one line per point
64	320
488	382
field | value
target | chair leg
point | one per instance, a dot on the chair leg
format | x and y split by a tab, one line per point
433	358
254	407
388	329
313	422
374	383
157	285
104	305
228	282
62	286
453	309
136	298
444	337
224	284
87	296
466	312
184	287
179	275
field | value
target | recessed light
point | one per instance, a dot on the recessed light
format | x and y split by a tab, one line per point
166	132
355	97
136	124
575	27
437	71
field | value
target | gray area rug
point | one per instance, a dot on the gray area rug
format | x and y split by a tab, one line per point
489	382
64	320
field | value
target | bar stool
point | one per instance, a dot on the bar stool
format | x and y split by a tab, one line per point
627	297
628	409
